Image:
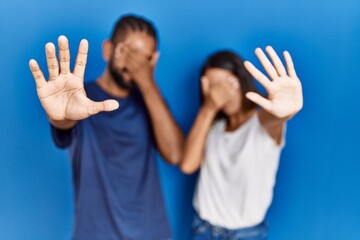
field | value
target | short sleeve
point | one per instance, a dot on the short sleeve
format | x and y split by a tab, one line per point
62	138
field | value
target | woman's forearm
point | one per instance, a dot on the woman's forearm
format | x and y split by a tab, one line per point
193	154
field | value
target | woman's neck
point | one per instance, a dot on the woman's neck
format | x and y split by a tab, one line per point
235	121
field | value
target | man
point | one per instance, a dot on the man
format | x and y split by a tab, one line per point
117	188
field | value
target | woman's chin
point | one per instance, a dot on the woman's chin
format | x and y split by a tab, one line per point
229	111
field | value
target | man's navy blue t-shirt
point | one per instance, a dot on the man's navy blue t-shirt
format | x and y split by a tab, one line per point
117	188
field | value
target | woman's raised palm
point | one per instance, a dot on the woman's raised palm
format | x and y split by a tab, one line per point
284	90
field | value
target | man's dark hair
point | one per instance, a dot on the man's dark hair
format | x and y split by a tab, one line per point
132	23
233	63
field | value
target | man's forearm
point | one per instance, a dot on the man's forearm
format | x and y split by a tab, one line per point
168	135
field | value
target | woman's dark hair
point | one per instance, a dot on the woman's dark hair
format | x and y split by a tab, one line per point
132	23
233	63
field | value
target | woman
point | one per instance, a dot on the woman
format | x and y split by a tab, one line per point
237	145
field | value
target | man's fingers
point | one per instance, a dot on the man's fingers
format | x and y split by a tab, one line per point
104	106
118	51
123	55
131	63
276	61
135	56
52	63
119	56
81	59
289	64
135	60
155	58
110	105
64	54
259	76
259	100
269	68
37	74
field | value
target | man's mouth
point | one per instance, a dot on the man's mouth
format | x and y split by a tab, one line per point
126	75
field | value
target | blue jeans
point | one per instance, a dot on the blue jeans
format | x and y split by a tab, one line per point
203	230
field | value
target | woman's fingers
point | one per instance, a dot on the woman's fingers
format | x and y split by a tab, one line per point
223	91
64	54
205	85
269	68
258	75
52	62
289	64
234	82
259	100
81	59
37	74
279	67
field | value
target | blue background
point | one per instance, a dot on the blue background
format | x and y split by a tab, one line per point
317	195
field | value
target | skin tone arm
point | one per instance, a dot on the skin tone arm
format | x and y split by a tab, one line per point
215	98
168	136
285	96
63	96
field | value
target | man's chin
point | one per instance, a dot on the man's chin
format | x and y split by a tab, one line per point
119	77
127	85
120	81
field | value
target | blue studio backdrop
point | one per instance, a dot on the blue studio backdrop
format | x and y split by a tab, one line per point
317	194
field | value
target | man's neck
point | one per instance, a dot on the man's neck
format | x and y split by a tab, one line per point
108	84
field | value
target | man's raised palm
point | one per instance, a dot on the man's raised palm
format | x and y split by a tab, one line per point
63	96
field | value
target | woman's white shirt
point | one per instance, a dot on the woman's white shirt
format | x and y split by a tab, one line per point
237	176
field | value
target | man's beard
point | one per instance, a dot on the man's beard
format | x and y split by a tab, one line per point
118	77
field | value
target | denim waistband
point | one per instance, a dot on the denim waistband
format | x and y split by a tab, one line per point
201	225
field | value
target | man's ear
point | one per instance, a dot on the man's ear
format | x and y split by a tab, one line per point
107	50
155	58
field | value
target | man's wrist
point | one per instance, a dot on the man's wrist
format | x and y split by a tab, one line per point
146	85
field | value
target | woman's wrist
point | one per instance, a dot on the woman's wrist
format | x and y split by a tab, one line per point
209	109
